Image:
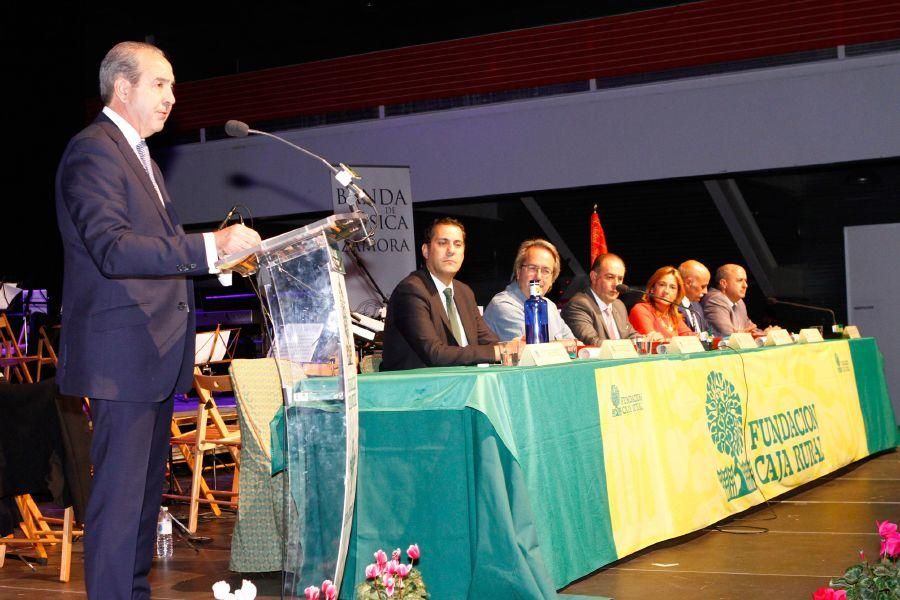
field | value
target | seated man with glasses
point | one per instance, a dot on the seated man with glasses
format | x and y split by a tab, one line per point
536	260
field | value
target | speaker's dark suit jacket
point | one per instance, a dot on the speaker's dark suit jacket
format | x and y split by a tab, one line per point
128	309
127	342
582	315
417	332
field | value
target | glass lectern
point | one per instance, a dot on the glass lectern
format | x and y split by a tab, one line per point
301	280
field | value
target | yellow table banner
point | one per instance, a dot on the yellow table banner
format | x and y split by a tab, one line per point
722	434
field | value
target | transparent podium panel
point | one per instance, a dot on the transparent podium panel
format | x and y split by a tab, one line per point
301	278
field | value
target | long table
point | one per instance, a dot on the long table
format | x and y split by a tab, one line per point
516	481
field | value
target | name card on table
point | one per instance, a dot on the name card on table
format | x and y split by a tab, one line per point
741	341
540	355
618	349
685	344
810	335
779	337
851	332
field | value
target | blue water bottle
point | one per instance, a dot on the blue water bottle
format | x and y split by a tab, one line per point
537	326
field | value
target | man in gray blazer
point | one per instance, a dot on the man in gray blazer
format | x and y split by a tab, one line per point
597	314
724	306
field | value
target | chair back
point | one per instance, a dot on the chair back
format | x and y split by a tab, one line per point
370	363
14	360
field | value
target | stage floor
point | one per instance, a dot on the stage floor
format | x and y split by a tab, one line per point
810	535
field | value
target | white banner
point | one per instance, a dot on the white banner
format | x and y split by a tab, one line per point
394	255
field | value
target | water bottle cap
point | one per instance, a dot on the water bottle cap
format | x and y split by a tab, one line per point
534	287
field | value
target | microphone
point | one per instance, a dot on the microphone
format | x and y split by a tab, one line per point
773	301
624	289
226	219
237	128
344	175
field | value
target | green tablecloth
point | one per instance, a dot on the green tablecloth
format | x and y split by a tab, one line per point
498	473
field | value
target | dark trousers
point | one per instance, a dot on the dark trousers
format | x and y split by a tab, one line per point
129	449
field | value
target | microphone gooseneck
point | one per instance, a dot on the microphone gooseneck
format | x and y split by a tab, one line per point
344	175
773	301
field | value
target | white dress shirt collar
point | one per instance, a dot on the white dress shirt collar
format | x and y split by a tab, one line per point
131	135
603	305
440	285
440	288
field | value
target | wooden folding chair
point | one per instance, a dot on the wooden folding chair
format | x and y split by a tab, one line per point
46	353
210	433
12	359
40	533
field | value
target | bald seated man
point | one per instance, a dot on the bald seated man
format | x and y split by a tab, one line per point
696	282
724	306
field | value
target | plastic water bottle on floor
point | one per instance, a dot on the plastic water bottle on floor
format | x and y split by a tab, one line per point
164	534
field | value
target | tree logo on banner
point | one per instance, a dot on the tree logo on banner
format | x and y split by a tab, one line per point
725	420
624	405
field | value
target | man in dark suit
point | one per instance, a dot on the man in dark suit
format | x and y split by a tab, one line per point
597	314
433	319
127	339
696	283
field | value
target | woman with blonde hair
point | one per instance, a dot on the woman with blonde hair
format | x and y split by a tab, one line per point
658	309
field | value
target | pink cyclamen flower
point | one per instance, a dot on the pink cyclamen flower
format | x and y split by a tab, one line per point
372	571
395	555
312	593
381	558
389	585
392	567
890	546
886	528
413	552
827	593
403	570
329	590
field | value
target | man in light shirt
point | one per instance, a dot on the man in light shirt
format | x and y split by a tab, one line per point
536	260
127	337
432	318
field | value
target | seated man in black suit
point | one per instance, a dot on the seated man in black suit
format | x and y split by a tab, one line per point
432	319
696	283
597	314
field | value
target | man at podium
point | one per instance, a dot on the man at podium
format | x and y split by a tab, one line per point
127	339
433	319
